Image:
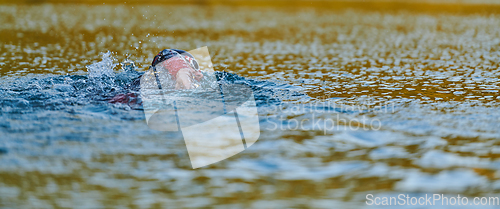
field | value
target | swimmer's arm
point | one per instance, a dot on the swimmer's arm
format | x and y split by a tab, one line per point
184	79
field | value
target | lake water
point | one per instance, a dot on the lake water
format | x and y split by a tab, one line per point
381	102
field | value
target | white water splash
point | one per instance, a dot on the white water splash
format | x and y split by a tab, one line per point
103	68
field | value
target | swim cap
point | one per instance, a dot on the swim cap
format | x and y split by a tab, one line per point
169	53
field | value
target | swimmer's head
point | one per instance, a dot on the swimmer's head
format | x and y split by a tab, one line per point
169	53
181	65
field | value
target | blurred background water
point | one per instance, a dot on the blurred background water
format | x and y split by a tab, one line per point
410	87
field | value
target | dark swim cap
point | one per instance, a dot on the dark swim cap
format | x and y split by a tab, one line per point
169	53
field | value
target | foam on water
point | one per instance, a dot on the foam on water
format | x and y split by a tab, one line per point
103	68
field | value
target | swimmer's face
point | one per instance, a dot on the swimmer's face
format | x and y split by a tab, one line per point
196	74
182	72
